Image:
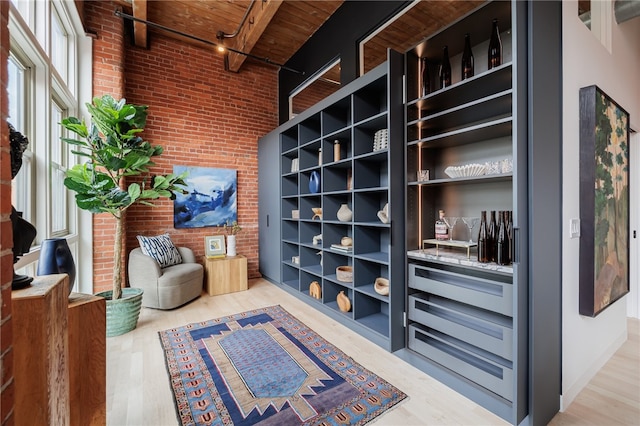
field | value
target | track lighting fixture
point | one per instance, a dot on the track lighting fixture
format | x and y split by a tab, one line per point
220	37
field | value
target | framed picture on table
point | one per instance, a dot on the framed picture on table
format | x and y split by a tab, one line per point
214	246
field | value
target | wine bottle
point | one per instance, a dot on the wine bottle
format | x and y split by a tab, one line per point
495	47
510	234
491	236
467	58
442	232
425	78
483	248
502	243
445	69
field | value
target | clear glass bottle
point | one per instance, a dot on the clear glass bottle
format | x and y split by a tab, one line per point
442	232
467	66
445	69
494	55
425	78
483	248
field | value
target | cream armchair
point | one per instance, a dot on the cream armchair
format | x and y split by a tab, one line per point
166	288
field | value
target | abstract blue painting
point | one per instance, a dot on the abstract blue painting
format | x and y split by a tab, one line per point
211	198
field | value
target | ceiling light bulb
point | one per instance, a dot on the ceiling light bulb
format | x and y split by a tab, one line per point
220	48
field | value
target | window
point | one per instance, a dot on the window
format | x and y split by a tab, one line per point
17	89
49	75
59	46
59	156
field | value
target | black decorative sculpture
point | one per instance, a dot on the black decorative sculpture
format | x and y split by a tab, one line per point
23	232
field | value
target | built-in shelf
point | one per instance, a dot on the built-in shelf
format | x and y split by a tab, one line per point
462	313
335	139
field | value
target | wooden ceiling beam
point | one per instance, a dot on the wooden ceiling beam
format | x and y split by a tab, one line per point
139	28
259	17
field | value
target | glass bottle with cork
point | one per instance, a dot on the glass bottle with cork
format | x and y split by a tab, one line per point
494	55
467	66
441	230
445	69
483	240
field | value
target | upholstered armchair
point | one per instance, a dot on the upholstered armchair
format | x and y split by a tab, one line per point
169	287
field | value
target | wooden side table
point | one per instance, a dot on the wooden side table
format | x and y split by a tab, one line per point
226	274
87	359
41	347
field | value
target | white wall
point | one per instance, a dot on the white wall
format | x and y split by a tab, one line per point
588	342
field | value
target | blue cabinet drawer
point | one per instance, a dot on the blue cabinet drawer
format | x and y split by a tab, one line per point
487	294
483	329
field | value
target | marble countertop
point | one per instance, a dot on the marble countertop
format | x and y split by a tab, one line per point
457	257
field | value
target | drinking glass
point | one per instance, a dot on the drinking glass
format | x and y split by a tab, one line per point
471	222
450	221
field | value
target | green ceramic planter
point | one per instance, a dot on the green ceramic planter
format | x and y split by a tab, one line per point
122	314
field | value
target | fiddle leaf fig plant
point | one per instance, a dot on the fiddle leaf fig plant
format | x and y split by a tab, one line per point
115	151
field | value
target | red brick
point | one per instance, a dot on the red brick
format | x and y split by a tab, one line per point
202	116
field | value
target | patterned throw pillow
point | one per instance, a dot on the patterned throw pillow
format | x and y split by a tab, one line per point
161	248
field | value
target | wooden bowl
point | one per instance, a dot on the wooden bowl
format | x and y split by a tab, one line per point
381	286
344	273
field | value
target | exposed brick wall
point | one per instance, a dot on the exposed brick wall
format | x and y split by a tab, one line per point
7	395
108	77
202	115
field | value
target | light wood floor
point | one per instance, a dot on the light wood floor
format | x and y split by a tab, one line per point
138	391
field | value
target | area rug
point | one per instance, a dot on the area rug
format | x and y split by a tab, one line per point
264	367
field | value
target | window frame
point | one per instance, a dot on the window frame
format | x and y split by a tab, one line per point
48	88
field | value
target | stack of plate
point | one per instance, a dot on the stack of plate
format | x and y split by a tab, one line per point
468	170
380	140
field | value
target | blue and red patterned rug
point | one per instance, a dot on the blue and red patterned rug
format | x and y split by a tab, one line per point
265	367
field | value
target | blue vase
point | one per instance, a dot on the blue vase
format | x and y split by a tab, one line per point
56	258
314	182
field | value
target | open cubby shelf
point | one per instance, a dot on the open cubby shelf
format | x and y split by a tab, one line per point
365	176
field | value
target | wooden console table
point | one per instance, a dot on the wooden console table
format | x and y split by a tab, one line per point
226	274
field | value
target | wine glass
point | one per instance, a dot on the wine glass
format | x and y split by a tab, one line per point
450	221
471	222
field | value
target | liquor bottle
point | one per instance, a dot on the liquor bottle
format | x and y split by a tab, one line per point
502	243
445	69
483	247
442	232
425	78
495	47
466	68
491	236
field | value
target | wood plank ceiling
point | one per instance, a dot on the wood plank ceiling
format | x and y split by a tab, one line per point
273	29
276	29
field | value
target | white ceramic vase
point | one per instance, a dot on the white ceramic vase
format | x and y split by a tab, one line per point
344	213
231	245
